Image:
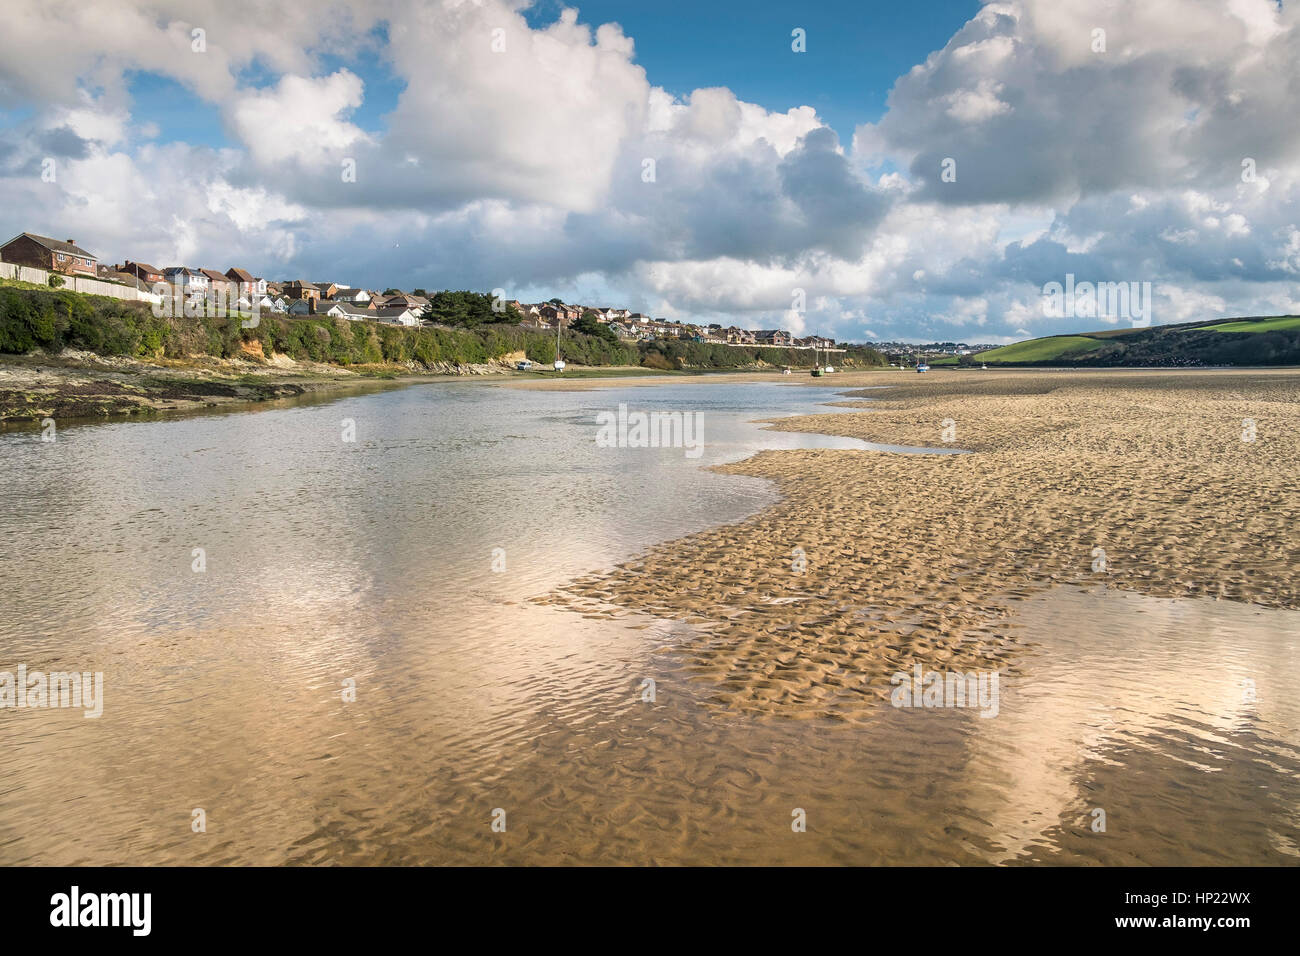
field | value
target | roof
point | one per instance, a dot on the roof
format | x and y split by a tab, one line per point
301	283
54	245
347	308
142	266
388	313
215	275
240	274
127	278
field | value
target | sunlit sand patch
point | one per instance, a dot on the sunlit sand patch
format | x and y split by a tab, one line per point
916	554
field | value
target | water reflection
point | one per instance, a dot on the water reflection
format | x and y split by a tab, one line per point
329	561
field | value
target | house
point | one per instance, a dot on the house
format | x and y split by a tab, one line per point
340	309
53	255
397	316
126	279
247	282
404	301
142	271
774	337
561	313
219	285
357	297
190	283
279	304
301	306
327	289
301	289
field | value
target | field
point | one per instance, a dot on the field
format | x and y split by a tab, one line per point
1265	325
1042	350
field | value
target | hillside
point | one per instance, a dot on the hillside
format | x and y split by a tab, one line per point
1256	340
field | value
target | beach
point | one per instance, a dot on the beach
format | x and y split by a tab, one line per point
1145	481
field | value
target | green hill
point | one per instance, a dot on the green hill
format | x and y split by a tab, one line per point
1051	349
1255	340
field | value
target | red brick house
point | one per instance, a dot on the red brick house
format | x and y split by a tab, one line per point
142	271
218	284
246	281
53	255
301	289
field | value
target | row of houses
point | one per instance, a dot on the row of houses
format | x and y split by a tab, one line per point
234	288
636	326
240	290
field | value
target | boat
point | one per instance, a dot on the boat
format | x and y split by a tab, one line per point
921	367
559	362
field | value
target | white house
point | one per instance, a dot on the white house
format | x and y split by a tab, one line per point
190	282
346	310
398	315
352	296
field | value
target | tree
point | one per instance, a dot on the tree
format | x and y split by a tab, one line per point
468	310
587	325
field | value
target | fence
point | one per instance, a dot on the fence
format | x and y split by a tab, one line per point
10	270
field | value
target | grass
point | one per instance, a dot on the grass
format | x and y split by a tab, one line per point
1263	325
18	284
1042	350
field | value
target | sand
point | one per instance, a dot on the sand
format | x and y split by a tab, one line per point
913	557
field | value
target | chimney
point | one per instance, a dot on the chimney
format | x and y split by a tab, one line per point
71	242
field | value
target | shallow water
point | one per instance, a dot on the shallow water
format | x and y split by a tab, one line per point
374	561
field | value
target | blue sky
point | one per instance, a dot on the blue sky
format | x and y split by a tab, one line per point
855	52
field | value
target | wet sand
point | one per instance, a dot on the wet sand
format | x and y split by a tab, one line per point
914	557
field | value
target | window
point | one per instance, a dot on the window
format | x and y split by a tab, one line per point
62	257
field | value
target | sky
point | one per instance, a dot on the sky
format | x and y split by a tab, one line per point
872	171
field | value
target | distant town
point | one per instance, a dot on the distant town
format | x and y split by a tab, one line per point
241	291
